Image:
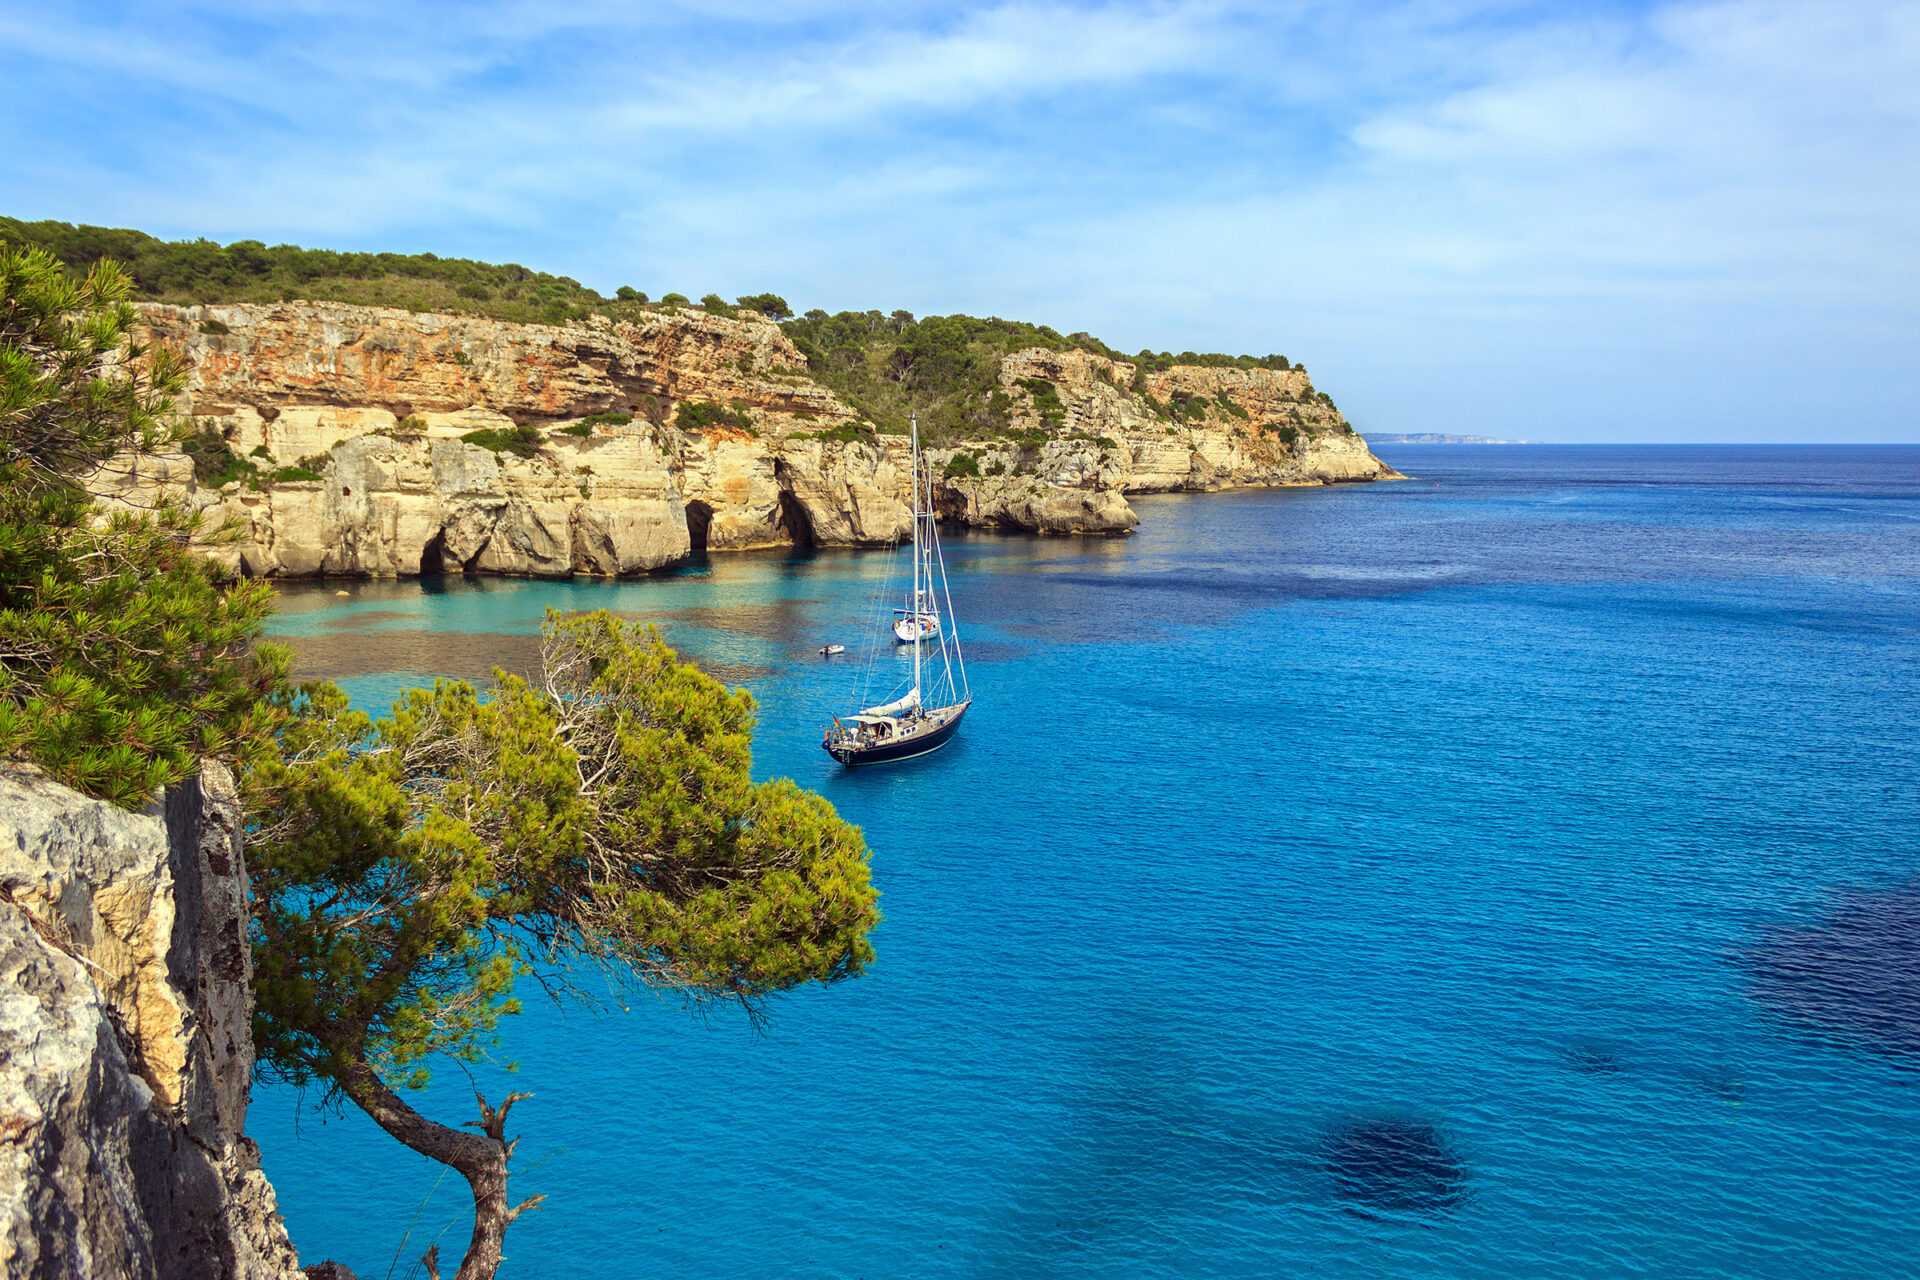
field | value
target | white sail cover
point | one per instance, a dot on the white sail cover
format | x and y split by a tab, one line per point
895	707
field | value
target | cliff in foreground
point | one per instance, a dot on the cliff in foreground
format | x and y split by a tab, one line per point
364	441
125	1048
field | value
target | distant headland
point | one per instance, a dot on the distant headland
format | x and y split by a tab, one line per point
1436	437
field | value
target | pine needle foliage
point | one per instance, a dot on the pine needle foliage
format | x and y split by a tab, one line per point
123	656
405	868
601	818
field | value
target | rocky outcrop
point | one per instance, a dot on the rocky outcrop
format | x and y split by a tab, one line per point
387	443
125	1055
336	371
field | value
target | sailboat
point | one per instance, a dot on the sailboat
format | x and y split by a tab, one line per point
928	714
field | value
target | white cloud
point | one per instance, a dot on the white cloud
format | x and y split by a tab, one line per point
1447	206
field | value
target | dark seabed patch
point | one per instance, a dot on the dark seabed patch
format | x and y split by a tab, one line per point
1593	1058
731	673
353	620
461	656
782	620
1856	974
1400	1166
455	655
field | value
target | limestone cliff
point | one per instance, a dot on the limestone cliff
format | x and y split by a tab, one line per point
125	1051
358	420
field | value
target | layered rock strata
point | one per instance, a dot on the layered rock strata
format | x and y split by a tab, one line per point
361	425
125	1053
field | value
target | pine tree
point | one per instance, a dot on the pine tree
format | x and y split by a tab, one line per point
124	657
407	870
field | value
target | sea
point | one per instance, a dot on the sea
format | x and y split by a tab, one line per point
1508	871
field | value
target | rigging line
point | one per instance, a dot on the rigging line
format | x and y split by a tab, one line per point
946	589
945	662
871	650
913	601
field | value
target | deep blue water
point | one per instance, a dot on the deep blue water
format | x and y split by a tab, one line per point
1514	871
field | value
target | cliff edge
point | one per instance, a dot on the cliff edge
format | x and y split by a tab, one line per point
125	1050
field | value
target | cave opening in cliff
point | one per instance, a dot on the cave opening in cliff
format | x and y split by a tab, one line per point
433	556
795	523
699	519
950	505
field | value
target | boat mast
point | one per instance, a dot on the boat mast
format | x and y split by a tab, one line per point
913	604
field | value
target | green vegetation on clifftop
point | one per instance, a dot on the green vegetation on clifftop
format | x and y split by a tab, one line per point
947	368
885	364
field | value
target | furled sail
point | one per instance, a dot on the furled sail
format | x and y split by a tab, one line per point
895	707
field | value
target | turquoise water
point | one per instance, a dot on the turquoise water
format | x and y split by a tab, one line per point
1511	872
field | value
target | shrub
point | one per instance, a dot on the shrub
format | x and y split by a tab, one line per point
214	461
478	292
771	305
696	416
1160	362
716	305
962	464
674	299
413	423
260	451
215	327
1046	399
996	467
286	475
1227	405
521	441
462	358
585	426
847	433
627	293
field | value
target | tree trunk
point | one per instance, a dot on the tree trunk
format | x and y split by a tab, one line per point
481	1158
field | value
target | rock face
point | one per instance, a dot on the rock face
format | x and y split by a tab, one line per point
356	418
125	1054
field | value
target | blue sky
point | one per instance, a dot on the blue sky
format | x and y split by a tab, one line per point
1685	221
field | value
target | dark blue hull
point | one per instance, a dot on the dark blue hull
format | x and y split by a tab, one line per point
902	749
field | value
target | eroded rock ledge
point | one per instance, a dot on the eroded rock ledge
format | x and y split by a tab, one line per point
375	403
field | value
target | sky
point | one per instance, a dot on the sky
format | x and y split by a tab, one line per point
1564	222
